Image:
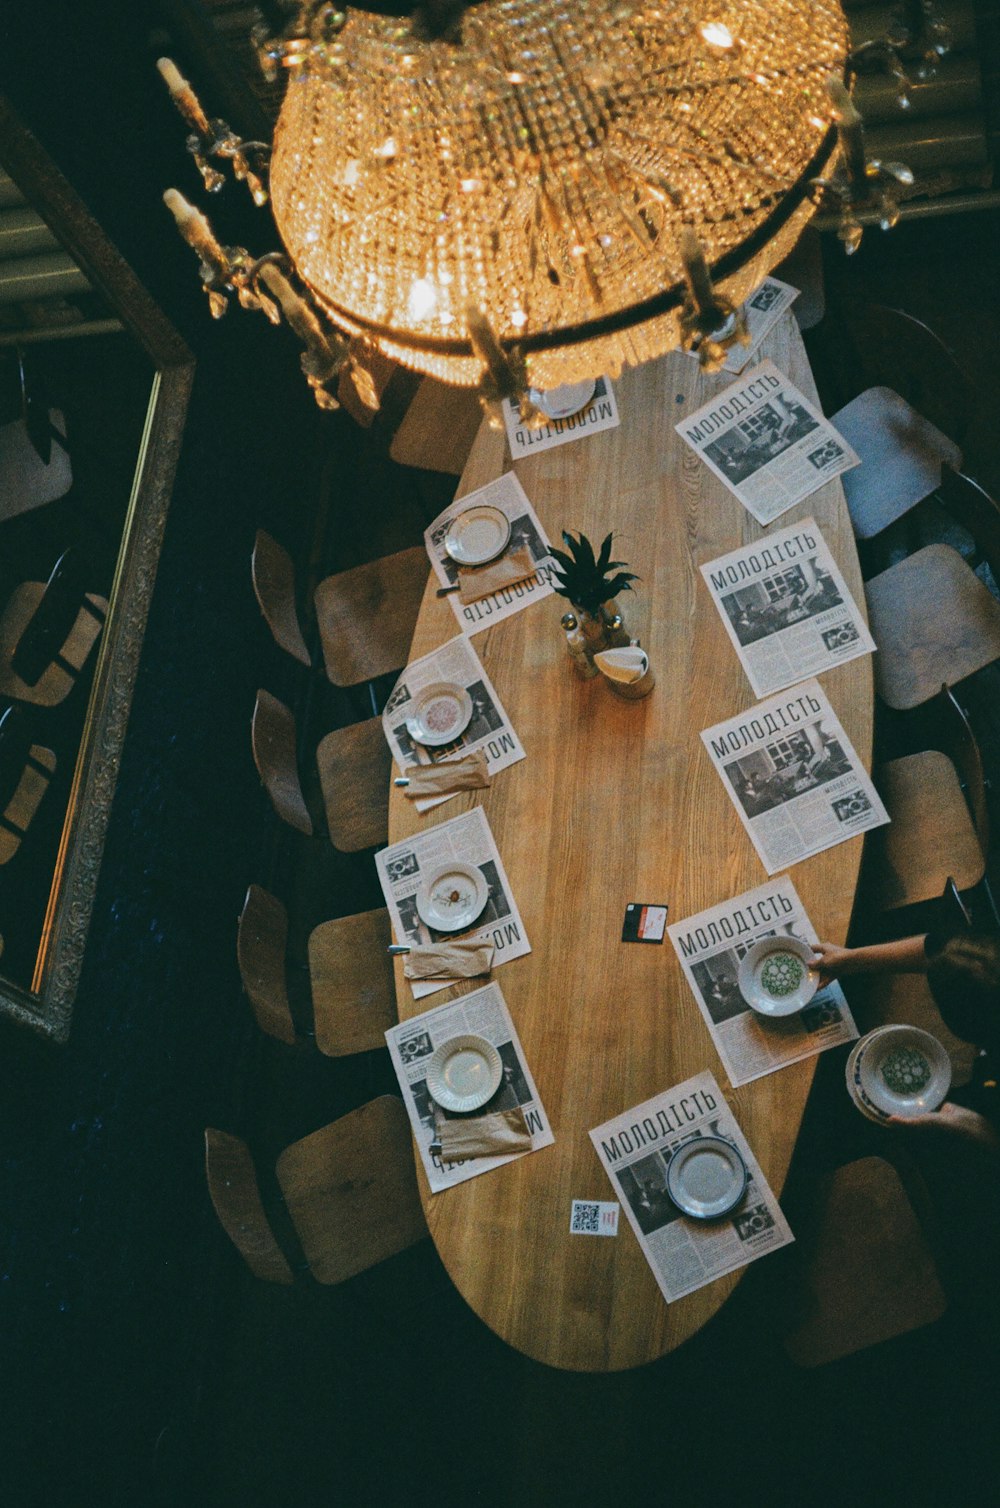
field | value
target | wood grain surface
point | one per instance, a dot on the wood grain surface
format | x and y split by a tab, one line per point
617	801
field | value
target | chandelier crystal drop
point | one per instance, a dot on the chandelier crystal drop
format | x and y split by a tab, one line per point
539	172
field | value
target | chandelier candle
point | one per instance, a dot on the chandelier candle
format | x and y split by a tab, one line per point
197	232
184	98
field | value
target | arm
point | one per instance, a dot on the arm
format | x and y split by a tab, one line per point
904	955
954	1120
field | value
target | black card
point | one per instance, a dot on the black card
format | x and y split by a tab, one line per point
644	922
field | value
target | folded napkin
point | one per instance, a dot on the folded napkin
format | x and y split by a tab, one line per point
479	581
625	665
461	959
493	1135
466	774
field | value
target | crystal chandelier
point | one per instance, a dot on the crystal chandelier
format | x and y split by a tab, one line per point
532	192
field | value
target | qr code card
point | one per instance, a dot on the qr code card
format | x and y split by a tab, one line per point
594	1217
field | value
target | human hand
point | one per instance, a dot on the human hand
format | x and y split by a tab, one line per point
831	960
954	1120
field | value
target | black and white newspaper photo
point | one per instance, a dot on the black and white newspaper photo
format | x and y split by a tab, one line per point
600	412
762	311
767	442
507	494
786	608
710	947
404	867
635	1148
484	1012
488	729
794	777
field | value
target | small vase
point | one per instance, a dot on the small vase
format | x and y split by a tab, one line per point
596	627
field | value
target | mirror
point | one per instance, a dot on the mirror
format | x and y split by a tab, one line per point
94	384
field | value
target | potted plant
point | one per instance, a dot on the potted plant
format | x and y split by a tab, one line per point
591	584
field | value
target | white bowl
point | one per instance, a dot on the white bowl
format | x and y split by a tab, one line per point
903	1070
775	976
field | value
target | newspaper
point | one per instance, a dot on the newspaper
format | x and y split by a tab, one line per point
710	947
488	729
411	1044
786	608
762	309
600	413
468	839
635	1148
507	494
766	442
794	776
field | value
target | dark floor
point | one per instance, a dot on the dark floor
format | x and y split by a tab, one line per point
141	1363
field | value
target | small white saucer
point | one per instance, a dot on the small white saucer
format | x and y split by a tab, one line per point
439	713
775	976
452	897
706	1177
562	402
464	1073
477	535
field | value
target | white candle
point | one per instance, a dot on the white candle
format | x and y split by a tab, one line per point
196	231
297	312
184	97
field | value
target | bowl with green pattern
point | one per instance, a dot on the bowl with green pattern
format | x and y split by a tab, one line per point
903	1070
776	976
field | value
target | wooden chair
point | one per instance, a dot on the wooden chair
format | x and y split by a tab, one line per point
26	768
934	623
261	948
353	989
351	1190
366	616
902	456
232	1185
869	1272
975	511
939	833
274	587
47	632
892	349
438	428
273	740
355	767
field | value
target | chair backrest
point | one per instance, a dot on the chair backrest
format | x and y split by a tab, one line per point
973	508
352	981
15	747
52	622
261	945
351	1190
962	748
897	351
274	587
272	737
232	1185
355	768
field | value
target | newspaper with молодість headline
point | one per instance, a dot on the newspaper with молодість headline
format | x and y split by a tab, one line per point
710	947
484	1013
635	1148
794	777
762	310
599	412
507	494
489	728
766	442
404	867
786	607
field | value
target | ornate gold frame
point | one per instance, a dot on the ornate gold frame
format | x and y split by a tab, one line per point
47	1006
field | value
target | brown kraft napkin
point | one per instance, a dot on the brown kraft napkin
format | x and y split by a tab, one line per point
493	1135
466	774
480	581
462	959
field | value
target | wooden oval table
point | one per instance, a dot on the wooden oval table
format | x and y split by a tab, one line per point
617	801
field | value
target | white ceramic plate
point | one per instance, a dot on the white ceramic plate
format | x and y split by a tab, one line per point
775	977
478	534
561	402
452	897
706	1177
440	712
464	1073
904	1071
